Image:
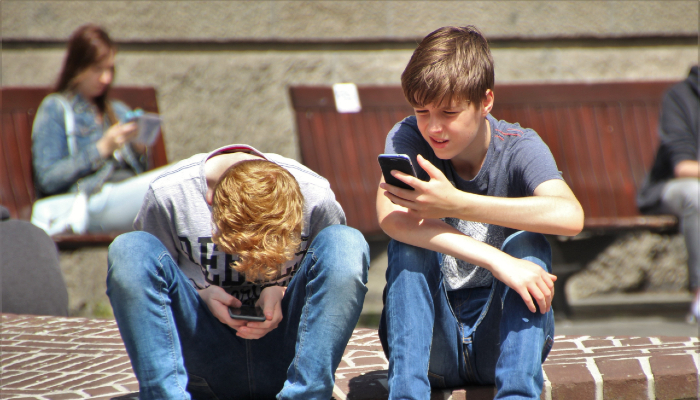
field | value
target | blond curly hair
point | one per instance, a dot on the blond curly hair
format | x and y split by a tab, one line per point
257	214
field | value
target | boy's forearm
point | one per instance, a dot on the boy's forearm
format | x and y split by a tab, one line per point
436	235
542	214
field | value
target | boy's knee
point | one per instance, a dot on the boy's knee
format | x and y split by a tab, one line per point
129	255
131	245
343	241
528	245
409	257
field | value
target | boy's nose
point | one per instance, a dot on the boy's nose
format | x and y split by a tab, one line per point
434	126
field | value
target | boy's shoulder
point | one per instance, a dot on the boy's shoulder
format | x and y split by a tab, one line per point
503	130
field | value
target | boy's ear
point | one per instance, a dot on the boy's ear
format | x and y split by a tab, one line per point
209	197
487	103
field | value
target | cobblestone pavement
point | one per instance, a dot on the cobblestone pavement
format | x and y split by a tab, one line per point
49	358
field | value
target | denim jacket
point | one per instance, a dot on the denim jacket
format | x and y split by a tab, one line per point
55	170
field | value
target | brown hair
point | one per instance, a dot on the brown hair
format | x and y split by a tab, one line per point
257	214
87	45
450	64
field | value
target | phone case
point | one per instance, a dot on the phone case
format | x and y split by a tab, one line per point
149	128
399	162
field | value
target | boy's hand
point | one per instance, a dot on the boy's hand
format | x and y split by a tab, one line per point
530	281
434	199
271	303
218	302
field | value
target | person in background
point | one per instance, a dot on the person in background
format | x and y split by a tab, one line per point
672	184
80	145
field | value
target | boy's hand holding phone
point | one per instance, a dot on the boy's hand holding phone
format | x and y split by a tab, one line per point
271	303
219	302
434	199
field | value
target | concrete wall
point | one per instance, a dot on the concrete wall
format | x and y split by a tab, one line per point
222	69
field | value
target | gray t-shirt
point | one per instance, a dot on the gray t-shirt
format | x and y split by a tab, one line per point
517	161
175	211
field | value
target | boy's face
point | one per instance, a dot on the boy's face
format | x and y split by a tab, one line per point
456	130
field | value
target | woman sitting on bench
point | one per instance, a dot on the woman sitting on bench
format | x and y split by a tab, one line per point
84	156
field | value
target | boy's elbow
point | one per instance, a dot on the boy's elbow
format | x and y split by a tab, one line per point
574	224
393	223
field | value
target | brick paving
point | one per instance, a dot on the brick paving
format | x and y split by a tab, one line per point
49	358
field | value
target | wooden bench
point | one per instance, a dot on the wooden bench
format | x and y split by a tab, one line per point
17	193
603	137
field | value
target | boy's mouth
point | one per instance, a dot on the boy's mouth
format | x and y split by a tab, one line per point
439	142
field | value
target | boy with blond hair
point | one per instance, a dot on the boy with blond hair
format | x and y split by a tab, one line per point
224	229
469	283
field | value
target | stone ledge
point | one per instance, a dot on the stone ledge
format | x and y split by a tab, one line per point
78	358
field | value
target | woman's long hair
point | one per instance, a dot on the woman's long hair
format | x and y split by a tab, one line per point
88	45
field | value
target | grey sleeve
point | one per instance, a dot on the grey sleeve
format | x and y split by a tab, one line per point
532	163
324	213
154	218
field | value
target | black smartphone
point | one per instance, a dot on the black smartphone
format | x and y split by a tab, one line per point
399	162
248	313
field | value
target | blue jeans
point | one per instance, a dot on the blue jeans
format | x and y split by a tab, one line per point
681	197
484	336
170	334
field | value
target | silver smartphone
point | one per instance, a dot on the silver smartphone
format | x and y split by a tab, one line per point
248	313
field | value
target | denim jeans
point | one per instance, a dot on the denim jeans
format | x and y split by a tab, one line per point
681	197
484	336
113	208
170	334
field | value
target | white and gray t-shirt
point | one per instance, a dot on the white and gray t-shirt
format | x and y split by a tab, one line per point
517	161
176	212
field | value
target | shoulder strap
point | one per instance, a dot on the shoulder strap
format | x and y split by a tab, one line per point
69	121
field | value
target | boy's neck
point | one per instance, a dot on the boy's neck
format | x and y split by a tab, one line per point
469	162
218	164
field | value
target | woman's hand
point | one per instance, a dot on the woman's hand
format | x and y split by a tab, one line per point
271	303
116	137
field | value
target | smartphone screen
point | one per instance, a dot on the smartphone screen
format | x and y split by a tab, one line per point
399	162
248	313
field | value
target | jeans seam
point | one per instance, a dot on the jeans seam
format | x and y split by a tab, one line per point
486	306
249	368
163	306
303	320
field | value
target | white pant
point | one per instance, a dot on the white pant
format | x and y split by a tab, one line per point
113	208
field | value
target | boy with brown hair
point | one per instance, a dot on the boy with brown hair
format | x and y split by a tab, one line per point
468	254
224	229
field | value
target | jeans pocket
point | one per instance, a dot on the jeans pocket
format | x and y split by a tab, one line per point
548	343
199	389
436	381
